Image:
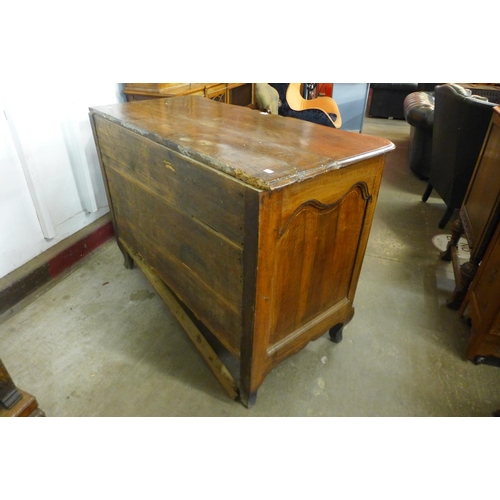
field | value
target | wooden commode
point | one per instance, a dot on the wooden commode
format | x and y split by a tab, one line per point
257	223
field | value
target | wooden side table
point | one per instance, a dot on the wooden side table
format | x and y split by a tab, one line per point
15	402
479	214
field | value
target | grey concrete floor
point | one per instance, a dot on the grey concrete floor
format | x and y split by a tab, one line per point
100	342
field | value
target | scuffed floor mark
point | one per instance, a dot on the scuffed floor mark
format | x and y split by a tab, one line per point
141	295
321	386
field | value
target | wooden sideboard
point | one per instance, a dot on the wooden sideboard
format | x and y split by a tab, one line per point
479	214
257	223
241	94
489	90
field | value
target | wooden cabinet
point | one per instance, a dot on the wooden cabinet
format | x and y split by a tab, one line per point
480	216
242	94
489	90
480	212
482	303
257	223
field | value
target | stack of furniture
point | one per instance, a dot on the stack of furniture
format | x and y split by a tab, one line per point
483	303
478	279
459	127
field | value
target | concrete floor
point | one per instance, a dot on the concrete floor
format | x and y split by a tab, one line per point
100	342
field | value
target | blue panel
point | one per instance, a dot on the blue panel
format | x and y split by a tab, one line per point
351	99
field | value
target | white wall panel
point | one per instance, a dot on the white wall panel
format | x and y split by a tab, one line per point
20	230
50	180
71	133
34	183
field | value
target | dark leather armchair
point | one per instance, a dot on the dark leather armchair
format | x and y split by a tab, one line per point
419	113
460	124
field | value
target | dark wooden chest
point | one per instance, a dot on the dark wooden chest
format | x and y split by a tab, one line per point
258	223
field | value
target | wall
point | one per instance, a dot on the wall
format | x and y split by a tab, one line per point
50	180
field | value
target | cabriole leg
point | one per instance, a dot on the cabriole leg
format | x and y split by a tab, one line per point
467	272
336	333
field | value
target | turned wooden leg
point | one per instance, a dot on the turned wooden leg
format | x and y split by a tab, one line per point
457	229
467	272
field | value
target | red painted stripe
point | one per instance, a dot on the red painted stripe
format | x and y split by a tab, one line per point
80	249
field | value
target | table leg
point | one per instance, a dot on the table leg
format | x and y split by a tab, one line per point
457	230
